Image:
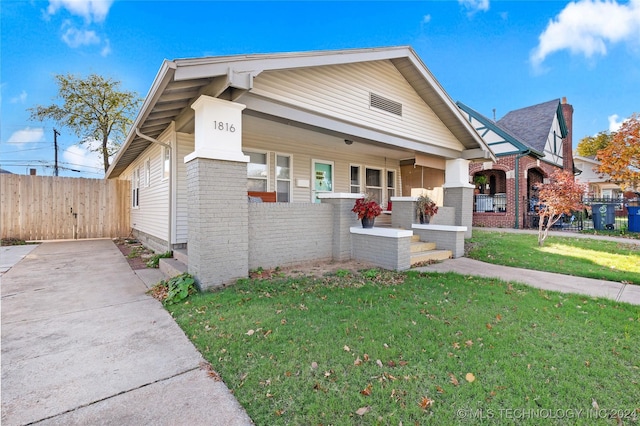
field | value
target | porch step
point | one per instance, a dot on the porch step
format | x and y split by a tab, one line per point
418	246
171	267
181	255
430	256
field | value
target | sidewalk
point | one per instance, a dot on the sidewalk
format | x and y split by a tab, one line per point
83	344
544	280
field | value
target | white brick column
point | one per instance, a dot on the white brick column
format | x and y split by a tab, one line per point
218	217
458	192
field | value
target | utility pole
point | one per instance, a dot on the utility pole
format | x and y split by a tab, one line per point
55	146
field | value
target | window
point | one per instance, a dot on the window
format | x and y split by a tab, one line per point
283	178
391	184
147	172
373	182
257	172
166	162
135	188
355	180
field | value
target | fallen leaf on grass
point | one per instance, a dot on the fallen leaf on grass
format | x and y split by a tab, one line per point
379	363
358	361
439	389
470	377
250	332
426	402
366	391
314	365
454	381
362	411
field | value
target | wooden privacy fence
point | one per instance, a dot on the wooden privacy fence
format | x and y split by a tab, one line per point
50	208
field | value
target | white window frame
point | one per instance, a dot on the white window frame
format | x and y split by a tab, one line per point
290	179
268	167
382	183
147	172
351	185
394	184
135	188
166	165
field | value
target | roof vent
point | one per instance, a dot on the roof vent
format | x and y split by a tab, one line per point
380	102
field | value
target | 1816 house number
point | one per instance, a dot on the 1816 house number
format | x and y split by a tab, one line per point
224	126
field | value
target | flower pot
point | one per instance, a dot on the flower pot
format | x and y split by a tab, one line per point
424	219
368	222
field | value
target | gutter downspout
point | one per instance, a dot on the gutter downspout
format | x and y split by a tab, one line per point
517	197
168	146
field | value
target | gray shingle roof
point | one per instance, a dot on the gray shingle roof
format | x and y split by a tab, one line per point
531	125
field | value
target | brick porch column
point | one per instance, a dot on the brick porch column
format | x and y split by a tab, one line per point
458	192
218	214
343	220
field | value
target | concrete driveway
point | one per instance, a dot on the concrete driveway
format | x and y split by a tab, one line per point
83	344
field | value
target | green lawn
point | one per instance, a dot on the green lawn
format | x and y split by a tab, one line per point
582	257
409	348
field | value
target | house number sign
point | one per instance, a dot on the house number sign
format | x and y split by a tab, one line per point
224	126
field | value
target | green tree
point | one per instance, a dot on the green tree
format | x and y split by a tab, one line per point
94	109
590	145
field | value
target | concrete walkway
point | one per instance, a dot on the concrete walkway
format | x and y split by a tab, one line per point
83	344
544	280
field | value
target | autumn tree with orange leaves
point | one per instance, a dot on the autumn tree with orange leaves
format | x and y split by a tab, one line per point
620	160
562	195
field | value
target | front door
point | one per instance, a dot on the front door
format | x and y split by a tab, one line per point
322	178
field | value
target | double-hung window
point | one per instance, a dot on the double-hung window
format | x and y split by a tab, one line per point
391	184
147	172
283	178
257	172
373	182
356	188
135	188
166	162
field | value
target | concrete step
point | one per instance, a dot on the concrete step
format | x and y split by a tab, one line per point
430	256
419	246
172	267
181	255
415	238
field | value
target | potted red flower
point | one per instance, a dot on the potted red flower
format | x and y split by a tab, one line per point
367	210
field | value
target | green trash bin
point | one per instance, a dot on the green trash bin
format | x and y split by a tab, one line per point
604	216
634	218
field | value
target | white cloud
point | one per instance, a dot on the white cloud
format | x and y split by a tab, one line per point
27	135
90	10
587	27
74	37
614	124
474	6
20	99
80	155
426	19
106	49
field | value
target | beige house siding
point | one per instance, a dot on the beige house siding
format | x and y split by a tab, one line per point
151	215
342	91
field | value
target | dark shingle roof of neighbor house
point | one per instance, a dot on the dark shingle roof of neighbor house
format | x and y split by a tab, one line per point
5	171
531	125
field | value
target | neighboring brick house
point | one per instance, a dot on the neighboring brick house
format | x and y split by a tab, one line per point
311	131
530	144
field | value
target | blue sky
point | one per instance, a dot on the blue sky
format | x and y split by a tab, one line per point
489	54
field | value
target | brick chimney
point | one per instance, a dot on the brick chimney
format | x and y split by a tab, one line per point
567	145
